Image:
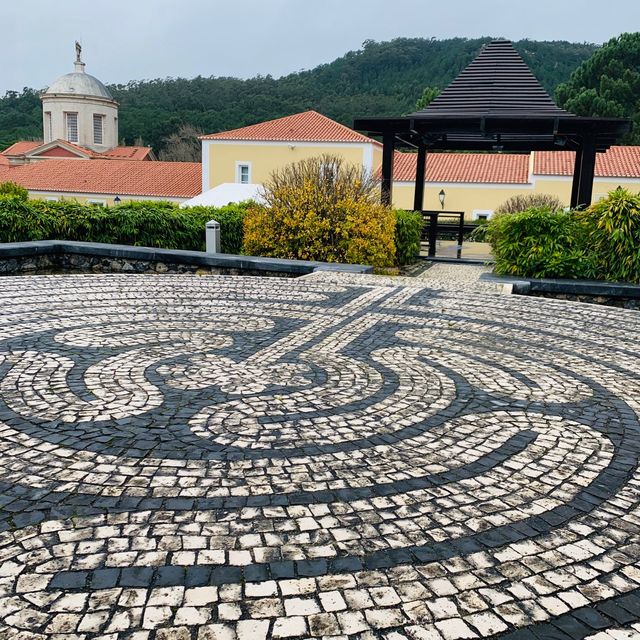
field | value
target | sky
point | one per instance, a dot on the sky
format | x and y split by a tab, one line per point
126	40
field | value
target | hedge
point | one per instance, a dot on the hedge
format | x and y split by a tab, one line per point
602	242
165	225
148	223
407	236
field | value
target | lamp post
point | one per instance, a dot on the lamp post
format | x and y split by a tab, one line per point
442	196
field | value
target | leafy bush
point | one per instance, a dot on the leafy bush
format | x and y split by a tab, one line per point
602	242
13	189
540	243
149	224
322	209
613	235
520	203
407	238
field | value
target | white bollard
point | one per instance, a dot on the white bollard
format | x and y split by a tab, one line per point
213	236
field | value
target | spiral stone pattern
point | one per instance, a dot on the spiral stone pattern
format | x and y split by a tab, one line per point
336	456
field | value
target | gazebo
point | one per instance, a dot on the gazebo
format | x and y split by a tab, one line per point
495	104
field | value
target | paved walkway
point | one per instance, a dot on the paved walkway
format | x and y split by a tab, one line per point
223	458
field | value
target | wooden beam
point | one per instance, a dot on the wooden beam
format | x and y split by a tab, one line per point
388	147
421	162
587	172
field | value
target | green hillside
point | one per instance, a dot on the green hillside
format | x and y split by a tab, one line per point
384	78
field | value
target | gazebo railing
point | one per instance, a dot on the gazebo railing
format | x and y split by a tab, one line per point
435	224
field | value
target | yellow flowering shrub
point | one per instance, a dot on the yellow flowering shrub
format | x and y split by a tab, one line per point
321	209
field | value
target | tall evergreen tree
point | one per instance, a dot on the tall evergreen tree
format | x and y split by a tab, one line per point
607	84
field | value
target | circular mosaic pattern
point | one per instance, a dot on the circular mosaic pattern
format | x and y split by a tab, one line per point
242	458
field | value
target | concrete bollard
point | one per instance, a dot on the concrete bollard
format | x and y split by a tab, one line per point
213	236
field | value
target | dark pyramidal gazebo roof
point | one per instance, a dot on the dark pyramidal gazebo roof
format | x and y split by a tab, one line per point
496	104
496	83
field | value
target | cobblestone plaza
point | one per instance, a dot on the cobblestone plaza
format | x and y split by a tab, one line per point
236	458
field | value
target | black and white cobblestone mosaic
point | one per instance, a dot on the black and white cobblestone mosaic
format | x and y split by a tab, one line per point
335	456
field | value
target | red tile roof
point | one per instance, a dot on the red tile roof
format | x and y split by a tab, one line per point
465	167
21	147
115	177
308	126
128	153
617	162
24	147
123	152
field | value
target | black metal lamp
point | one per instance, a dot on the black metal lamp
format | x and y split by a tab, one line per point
117	200
442	196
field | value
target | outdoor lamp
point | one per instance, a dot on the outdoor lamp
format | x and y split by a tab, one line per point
442	195
117	200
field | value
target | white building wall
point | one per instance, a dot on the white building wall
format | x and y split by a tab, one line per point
85	107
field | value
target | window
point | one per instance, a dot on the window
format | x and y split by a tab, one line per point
97	203
482	214
98	128
72	126
52	199
47	126
243	170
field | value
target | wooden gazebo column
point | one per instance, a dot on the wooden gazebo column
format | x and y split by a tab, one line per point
388	148
584	173
575	185
421	163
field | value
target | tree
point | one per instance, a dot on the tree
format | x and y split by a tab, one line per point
520	203
427	97
183	145
14	189
607	84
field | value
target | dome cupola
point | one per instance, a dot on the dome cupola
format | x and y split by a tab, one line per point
78	108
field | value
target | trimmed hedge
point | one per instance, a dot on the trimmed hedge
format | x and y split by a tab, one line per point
165	225
407	237
149	223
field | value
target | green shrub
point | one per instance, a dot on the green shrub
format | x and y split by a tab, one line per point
13	189
322	209
613	235
540	243
148	224
407	238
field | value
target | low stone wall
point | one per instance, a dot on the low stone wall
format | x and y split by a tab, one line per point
610	301
612	294
47	257
65	263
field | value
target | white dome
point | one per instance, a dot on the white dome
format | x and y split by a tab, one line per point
79	83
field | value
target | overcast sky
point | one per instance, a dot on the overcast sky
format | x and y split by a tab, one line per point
140	39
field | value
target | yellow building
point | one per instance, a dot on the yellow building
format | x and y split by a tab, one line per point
475	183
478	183
249	155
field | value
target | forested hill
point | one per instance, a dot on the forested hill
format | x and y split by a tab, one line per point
384	78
